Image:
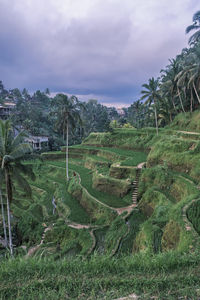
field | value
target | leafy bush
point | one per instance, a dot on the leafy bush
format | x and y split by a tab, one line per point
193	214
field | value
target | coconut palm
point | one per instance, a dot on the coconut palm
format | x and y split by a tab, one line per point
2	209
171	86
13	151
67	110
195	26
153	96
194	71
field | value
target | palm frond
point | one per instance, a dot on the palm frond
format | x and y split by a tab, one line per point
194	38
26	170
23	183
21	150
146	86
19	139
5	160
190	28
196	16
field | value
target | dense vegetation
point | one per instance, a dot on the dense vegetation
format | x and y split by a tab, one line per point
155	231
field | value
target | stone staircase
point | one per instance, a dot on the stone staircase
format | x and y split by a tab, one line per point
135	184
135	188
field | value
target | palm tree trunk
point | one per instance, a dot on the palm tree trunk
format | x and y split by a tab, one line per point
170	117
174	104
4	222
67	155
156	119
196	92
9	199
9	229
179	94
191	100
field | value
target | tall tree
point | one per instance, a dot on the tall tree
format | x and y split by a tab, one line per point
195	26
194	71
2	209
13	151
152	95
67	110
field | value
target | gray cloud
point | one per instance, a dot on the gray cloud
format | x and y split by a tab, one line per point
107	49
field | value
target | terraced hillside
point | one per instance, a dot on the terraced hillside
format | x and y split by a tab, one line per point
115	205
64	218
112	204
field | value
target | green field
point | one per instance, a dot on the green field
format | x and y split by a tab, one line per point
89	252
166	276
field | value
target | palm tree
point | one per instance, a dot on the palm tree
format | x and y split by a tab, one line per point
153	96
67	110
195	26
13	151
194	71
171	85
2	209
165	112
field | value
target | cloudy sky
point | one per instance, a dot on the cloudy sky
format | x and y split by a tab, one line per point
102	49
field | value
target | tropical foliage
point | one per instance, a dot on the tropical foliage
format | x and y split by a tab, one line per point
13	151
67	111
176	90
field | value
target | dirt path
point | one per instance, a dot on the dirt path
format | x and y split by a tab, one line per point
127	208
78	226
141	165
132	296
188	132
32	250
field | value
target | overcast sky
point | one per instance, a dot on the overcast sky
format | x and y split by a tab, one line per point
103	49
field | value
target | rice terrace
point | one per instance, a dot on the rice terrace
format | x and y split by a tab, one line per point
99	202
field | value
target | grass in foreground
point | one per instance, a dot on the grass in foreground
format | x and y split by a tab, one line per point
165	276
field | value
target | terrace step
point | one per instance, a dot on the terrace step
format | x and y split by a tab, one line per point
135	186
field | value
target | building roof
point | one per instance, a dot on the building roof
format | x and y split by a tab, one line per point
37	139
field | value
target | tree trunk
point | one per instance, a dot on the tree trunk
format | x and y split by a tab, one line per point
4	222
191	100
9	199
179	94
156	119
170	117
67	155
196	92
174	104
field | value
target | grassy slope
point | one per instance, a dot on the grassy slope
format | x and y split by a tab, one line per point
166	276
86	181
188	121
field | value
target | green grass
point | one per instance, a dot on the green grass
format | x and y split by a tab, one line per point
86	181
134	221
100	239
193	214
187	121
163	191
77	212
98	158
165	276
140	156
136	158
57	175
